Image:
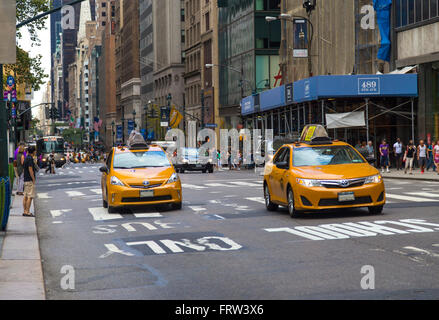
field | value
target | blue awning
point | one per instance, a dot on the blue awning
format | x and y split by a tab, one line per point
335	86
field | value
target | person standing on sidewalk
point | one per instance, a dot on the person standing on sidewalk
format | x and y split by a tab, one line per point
436	156
370	151
409	156
29	181
422	155
21	155
397	150
384	152
430	161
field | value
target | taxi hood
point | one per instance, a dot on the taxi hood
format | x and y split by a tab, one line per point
138	175
336	172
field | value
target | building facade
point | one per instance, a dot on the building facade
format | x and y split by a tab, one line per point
416	43
248	53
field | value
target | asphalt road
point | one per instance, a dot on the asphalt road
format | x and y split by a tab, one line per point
225	245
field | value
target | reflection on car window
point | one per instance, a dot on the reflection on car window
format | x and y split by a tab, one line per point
146	159
321	156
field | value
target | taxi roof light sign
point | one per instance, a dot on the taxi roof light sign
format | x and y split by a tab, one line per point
315	133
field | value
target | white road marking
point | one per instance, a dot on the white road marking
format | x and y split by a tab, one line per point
408	198
423	194
57	222
148	215
245	184
75	193
97	191
101	214
59	213
220	185
423	251
44	196
257	199
197	208
191	186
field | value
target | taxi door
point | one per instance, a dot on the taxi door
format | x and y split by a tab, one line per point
278	175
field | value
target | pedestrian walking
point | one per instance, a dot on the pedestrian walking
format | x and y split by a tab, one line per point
422	155
384	152
21	155
30	170
409	156
430	159
218	157
436	156
51	164
397	151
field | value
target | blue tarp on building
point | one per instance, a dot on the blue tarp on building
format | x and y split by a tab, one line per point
337	86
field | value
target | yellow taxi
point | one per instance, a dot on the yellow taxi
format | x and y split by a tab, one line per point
139	176
318	173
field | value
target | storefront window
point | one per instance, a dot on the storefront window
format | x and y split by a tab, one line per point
414	11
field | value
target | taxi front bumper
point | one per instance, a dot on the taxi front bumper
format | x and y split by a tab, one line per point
120	196
321	198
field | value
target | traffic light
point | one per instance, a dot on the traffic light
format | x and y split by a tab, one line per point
48	113
55	113
309	5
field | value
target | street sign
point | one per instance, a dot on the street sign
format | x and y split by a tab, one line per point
119	132
130	126
164	116
211	125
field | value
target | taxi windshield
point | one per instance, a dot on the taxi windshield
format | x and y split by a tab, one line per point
328	155
146	159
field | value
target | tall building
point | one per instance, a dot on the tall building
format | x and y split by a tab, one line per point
332	44
130	65
248	53
192	53
169	65
416	43
55	37
146	18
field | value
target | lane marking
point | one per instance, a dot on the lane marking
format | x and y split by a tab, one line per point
191	186
197	208
423	251
257	199
245	184
408	198
59	213
44	196
148	215
97	191
423	194
75	193
101	214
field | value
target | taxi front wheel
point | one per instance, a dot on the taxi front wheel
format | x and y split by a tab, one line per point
376	210
270	205
291	206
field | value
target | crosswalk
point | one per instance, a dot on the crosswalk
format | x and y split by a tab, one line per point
70	171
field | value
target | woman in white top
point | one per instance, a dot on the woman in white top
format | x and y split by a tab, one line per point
422	155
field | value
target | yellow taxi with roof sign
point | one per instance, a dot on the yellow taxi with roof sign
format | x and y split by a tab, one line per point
139	175
317	173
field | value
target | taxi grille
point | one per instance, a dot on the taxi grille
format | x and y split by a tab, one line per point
146	187
337	184
146	199
335	202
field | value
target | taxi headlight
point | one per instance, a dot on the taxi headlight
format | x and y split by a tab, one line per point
309	182
373	179
115	181
173	178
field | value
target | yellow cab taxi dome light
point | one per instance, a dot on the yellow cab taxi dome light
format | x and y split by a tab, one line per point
315	134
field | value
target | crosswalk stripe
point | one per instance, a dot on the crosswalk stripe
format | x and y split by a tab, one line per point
220	185
408	198
197	208
245	184
257	199
44	196
75	193
101	214
192	186
97	191
423	194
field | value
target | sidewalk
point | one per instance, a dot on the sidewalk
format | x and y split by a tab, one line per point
21	274
417	175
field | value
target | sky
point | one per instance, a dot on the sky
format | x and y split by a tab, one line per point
44	50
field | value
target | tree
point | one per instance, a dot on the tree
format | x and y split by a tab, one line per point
28	70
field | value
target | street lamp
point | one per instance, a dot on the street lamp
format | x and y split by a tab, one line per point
289	17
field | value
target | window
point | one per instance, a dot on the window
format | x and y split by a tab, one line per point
207	18
415	11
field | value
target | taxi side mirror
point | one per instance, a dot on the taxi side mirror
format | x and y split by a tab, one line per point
283	165
103	169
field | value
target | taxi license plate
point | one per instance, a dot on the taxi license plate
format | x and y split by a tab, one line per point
346	196
147	194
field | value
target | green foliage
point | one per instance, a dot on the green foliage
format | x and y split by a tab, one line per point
28	70
73	135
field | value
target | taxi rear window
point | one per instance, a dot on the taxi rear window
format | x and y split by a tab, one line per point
328	155
141	159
